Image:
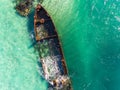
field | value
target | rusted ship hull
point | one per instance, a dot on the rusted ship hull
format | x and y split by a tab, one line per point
50	51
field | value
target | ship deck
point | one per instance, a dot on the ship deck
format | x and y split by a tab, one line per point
50	51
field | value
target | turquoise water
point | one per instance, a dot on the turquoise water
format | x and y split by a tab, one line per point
89	31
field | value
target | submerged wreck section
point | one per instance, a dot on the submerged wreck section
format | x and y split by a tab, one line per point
50	52
23	7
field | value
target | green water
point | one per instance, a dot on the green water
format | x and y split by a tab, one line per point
89	31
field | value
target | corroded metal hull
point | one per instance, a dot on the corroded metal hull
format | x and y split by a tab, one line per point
50	51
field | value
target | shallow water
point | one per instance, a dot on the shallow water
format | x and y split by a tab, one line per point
89	31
